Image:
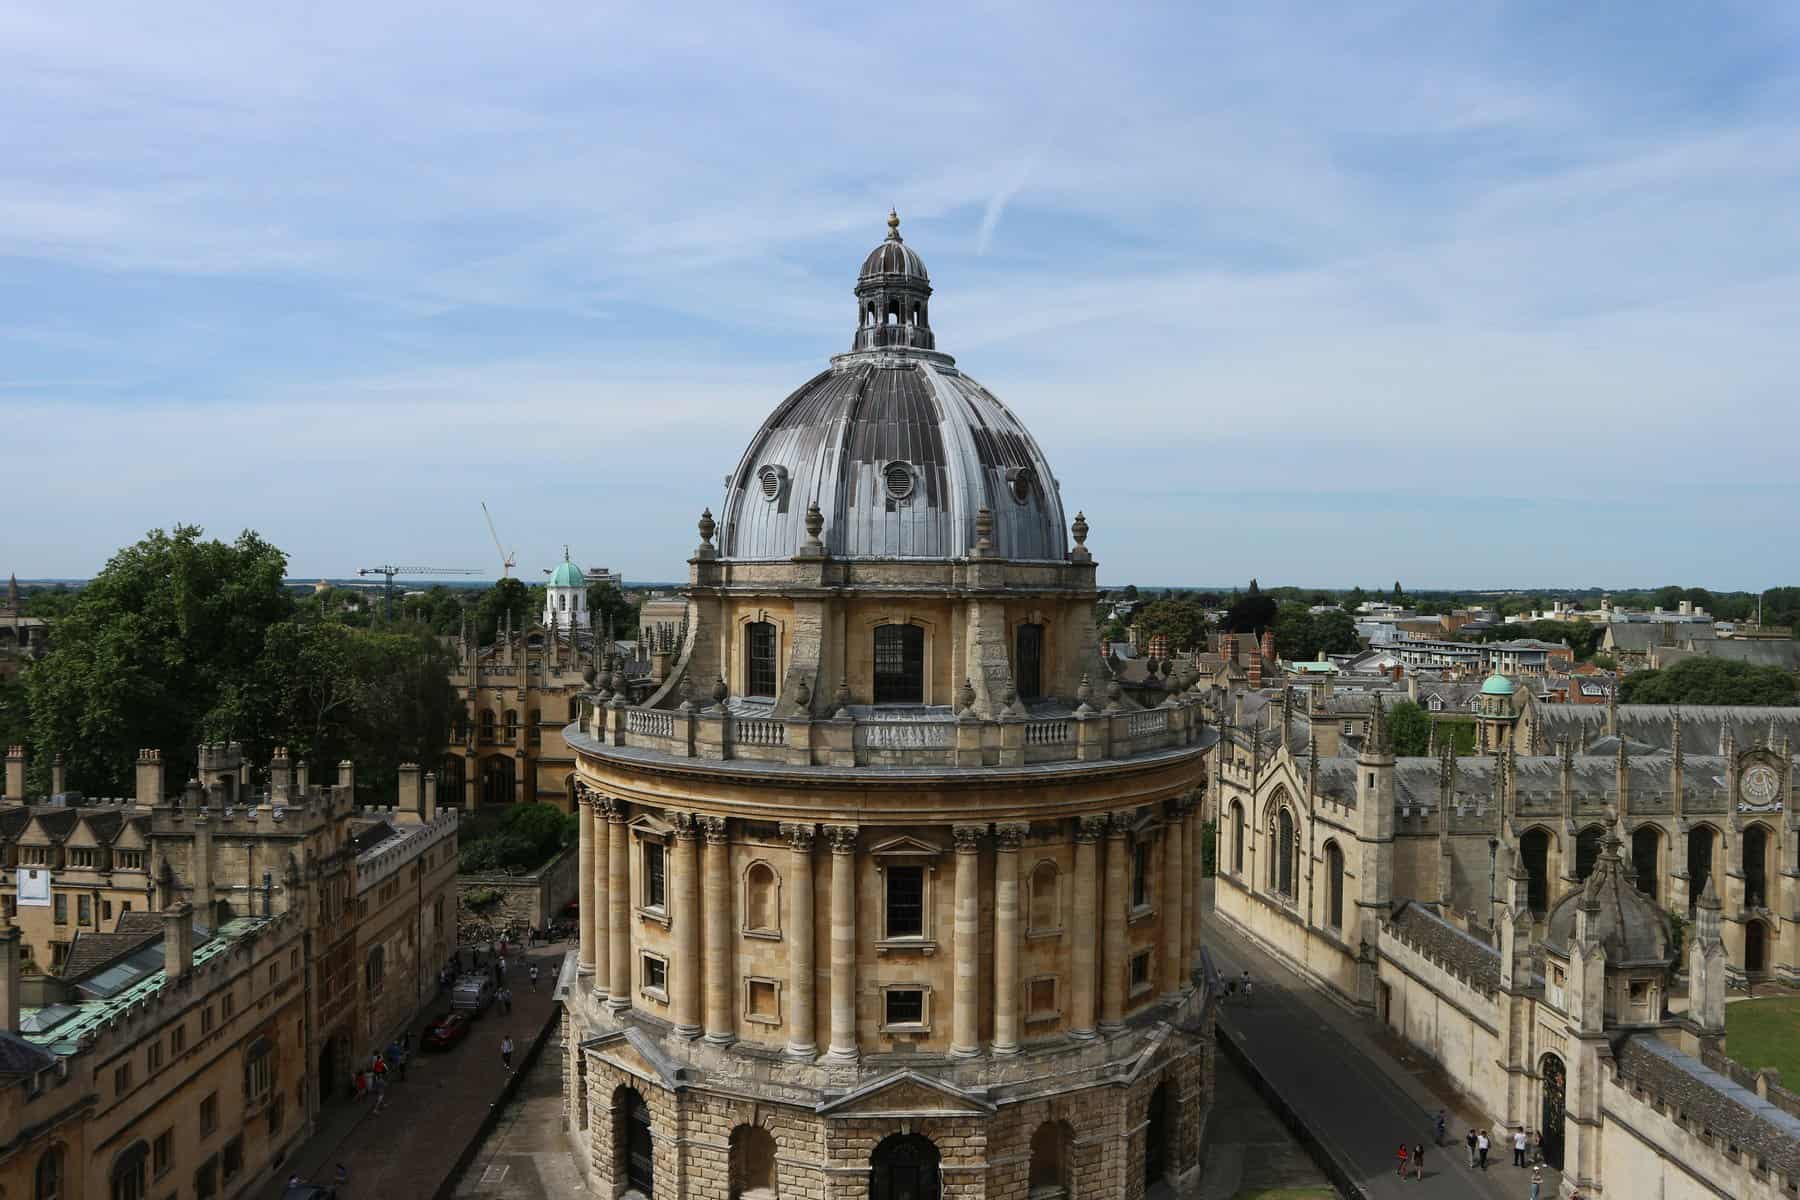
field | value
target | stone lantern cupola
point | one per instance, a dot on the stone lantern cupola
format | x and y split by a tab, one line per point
893	296
565	598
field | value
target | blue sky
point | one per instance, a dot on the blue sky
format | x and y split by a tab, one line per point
1467	295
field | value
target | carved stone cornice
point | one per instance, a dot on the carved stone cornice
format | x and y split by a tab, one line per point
799	837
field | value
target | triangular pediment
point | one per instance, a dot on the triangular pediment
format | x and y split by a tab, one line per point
907	1094
646	825
905	845
631	1050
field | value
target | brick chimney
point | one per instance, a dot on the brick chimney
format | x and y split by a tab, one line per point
1268	647
150	777
15	774
1256	665
178	941
9	977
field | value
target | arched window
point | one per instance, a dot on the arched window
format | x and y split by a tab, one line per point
512	724
259	1071
1043	903
1534	853
1237	838
47	1183
1141	859
1157	1125
375	970
762	903
1587	850
752	1162
487	725
1050	1166
1028	660
451	776
1281	858
899	664
759	659
1646	858
1334	885
1700	862
904	1167
127	1174
1756	866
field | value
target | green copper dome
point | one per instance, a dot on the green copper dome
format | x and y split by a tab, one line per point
567	574
1497	685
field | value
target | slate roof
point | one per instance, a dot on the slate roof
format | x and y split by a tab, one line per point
1702	1094
367	834
1466	955
89	952
19	1057
1703	726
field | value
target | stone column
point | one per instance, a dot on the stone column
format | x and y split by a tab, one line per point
1173	914
584	888
1195	837
965	1021
618	907
720	973
1084	904
602	876
799	935
843	942
1112	923
1007	839
685	883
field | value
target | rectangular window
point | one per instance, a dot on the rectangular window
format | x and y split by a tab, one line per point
227	1006
234	1157
206	1179
121	1079
153	1056
106	910
62	910
905	1007
206	1020
259	1079
655	894
178	1039
162	1153
763	1003
84	910
899	664
1040	999
656	976
209	1114
277	1107
1140	874
905	902
759	674
1140	972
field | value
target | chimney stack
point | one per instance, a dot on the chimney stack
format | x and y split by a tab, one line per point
430	796
302	780
281	777
15	774
347	778
57	779
178	941
9	977
150	778
411	798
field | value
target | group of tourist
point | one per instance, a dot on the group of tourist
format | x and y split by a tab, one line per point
373	1079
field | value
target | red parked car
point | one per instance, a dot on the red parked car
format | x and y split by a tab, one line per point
446	1031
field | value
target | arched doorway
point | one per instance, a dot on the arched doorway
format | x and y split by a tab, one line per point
1646	858
1587	850
497	779
904	1167
1534	853
1756	947
1554	1081
1699	863
633	1147
752	1163
1756	866
1050	1165
1156	1137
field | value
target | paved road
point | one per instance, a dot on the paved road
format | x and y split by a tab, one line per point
1324	1063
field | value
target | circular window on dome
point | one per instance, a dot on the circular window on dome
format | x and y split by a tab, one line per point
1021	479
771	479
898	476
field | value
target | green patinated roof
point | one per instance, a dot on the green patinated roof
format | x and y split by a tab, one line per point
1497	685
63	1036
567	573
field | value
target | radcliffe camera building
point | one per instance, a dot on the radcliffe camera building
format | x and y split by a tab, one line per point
886	890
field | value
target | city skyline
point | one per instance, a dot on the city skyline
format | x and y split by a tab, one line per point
1448	297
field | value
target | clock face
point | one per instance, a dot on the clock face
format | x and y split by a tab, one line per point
1761	785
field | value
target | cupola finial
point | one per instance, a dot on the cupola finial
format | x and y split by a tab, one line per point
894	225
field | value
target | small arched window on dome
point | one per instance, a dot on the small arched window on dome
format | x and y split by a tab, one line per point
897	478
1020	481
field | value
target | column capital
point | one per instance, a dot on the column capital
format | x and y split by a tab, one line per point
1175	809
1010	835
714	828
1119	822
799	837
1089	828
968	837
613	808
842	838
687	825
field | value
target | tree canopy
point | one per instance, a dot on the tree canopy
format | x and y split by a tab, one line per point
1182	619
1409	727
1708	681
1251	612
1301	635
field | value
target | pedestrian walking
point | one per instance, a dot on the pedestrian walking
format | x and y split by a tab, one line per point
1518	1147
359	1084
1537	1182
506	1049
1481	1148
506	1000
1246	983
380	1093
503	964
1402	1156
534	973
1537	1146
1471	1141
1438	1133
1418	1161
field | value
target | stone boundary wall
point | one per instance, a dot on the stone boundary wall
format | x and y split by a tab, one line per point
532	899
1647	1149
1447	1017
1765	1083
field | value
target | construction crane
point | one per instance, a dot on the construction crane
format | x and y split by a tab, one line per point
387	573
507	557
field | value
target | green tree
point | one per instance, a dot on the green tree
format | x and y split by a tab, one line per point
1409	726
15	714
1334	632
1294	632
1708	681
49	603
508	595
143	654
1183	620
606	601
1252	612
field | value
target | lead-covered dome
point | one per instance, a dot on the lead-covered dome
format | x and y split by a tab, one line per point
899	448
1624	920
